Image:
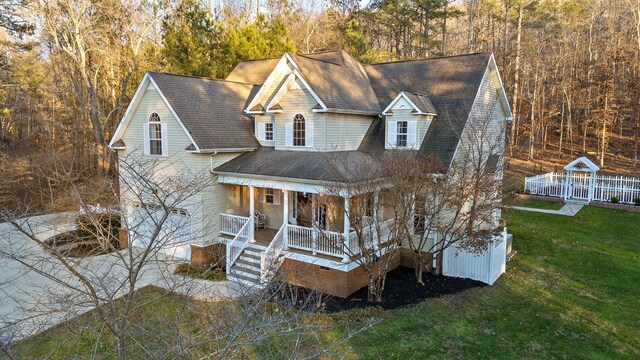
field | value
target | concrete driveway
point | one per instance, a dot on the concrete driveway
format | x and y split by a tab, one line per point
37	291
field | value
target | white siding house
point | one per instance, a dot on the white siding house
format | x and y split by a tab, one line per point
260	141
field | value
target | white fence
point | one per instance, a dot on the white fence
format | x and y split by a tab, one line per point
485	267
584	187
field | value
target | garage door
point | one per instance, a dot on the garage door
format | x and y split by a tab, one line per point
174	237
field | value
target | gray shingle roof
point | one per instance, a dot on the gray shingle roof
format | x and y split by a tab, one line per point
338	166
422	102
253	71
344	87
451	83
211	110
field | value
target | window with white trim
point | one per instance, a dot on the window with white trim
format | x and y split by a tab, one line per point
299	131
268	131
154	134
402	128
269	196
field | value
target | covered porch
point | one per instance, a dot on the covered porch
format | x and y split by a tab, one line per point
312	222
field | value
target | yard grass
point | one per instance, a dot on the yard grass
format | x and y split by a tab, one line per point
570	292
538	204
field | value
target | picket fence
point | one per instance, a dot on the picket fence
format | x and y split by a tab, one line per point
584	186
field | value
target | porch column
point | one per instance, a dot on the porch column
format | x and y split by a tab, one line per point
347	226
285	218
375	204
376	243
252	214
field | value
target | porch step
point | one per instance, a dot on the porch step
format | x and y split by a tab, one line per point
247	269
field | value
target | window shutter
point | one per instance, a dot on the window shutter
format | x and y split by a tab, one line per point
262	194
412	134
164	136
276	197
288	134
261	131
145	136
391	133
308	133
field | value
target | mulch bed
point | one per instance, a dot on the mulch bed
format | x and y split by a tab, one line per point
401	290
618	206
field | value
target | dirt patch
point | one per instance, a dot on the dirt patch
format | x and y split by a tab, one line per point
402	290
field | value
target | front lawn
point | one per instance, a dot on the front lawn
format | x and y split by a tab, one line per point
571	292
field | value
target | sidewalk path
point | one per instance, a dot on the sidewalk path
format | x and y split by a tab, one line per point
569	209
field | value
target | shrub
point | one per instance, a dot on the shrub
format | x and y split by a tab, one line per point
637	201
207	274
91	225
615	200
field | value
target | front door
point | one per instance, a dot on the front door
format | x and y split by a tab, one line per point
320	217
303	209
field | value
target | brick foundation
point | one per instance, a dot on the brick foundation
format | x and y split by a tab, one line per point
203	257
335	282
123	238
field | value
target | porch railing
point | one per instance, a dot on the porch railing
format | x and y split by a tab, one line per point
370	236
318	242
239	242
231	224
273	256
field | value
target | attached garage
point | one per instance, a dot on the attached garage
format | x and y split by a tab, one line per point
174	236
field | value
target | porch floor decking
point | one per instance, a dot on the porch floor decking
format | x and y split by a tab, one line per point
263	236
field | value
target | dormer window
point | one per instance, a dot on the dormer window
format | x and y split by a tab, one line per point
155	133
299	131
401	134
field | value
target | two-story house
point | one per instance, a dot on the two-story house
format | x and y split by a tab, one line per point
264	134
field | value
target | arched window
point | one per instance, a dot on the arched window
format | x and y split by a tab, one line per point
299	130
155	135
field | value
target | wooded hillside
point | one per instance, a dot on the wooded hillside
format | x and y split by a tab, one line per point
68	68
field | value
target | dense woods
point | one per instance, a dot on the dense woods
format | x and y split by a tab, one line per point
68	68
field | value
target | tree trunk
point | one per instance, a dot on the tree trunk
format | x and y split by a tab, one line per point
516	75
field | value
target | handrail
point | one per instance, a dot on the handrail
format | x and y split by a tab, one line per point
273	256
239	242
231	224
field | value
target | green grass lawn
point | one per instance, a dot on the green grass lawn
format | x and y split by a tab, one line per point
538	204
572	291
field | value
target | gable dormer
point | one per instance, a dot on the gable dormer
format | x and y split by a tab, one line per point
407	119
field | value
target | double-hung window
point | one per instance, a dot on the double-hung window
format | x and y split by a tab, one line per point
402	131
268	131
269	196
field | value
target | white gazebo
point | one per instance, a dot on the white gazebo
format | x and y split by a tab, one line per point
580	179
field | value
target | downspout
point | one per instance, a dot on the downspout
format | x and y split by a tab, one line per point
211	162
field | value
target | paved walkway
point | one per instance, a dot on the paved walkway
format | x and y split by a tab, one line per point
37	291
569	209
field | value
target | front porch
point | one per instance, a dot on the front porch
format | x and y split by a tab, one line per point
310	223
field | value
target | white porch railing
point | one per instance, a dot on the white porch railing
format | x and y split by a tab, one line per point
584	187
273	256
231	224
304	238
239	242
370	236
